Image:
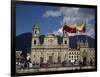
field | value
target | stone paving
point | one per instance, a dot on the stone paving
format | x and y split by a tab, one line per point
51	69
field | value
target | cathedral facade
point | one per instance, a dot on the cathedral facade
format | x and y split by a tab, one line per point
53	50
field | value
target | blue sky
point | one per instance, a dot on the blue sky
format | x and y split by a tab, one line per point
28	15
51	18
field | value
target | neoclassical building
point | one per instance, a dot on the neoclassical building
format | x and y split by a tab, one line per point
55	49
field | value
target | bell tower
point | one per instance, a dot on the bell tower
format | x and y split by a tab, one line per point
35	35
65	37
35	42
36	30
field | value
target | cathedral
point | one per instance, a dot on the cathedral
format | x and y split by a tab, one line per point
54	50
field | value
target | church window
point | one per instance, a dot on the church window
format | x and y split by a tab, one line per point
41	59
72	57
65	42
50	41
59	59
77	57
50	59
35	32
93	58
34	41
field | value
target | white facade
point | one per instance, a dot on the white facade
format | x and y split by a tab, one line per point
52	52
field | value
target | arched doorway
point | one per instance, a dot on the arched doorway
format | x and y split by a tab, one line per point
85	58
84	61
50	59
59	59
41	60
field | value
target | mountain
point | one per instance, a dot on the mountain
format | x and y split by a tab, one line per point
23	41
74	39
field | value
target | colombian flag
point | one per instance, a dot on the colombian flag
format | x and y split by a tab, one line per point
74	29
69	29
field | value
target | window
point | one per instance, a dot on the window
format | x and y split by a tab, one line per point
35	32
74	56
41	59
65	42
59	59
69	52
50	42
50	59
35	42
93	57
77	57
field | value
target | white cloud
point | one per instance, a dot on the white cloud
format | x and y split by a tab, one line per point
65	11
52	13
59	31
73	16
